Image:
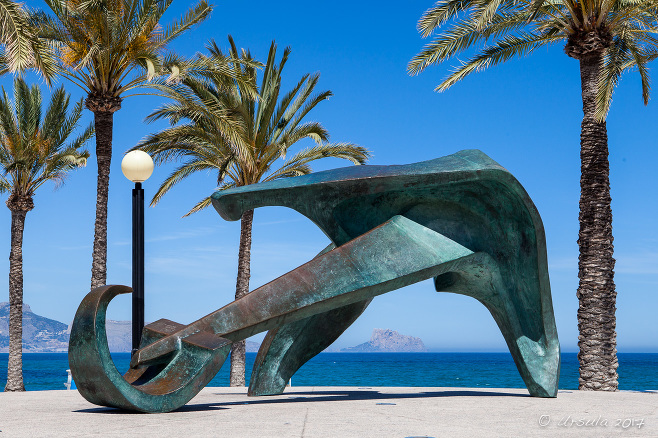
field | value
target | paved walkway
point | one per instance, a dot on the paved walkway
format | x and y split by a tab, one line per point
342	412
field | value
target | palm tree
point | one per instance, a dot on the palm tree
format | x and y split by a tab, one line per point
22	48
607	37
243	140
109	48
33	151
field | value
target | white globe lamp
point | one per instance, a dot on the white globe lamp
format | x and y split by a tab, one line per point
137	166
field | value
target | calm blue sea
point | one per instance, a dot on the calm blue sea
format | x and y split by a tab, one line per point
637	371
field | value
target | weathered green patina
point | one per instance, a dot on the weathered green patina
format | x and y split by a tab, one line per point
462	220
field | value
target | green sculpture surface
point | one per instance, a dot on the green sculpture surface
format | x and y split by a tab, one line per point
462	220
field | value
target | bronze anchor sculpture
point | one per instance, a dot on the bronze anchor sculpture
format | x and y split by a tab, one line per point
462	220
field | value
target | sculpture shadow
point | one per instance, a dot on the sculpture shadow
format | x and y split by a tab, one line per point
338	395
315	397
185	408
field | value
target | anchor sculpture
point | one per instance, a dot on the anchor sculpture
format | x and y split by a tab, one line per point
462	220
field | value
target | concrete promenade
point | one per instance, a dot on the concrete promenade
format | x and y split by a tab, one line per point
342	412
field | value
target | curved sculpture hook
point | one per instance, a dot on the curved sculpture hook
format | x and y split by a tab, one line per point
160	387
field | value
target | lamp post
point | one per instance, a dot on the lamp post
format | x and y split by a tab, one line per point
137	166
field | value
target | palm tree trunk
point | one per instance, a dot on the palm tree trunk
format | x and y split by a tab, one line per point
242	289
596	289
15	365
103	121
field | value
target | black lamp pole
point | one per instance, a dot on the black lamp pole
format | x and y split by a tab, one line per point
138	265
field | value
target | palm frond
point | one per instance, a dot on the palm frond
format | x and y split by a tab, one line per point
15	35
204	203
441	13
179	174
300	115
193	17
463	35
299	163
502	51
312	130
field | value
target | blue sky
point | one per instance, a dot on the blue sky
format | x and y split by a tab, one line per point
524	114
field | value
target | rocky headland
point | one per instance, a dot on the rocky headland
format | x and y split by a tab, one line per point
385	340
45	335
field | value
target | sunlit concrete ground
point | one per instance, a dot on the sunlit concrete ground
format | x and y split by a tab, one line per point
342	412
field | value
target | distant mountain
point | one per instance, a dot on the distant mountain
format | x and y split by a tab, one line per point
41	334
385	340
119	335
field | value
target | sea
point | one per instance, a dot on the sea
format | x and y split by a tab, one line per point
637	371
